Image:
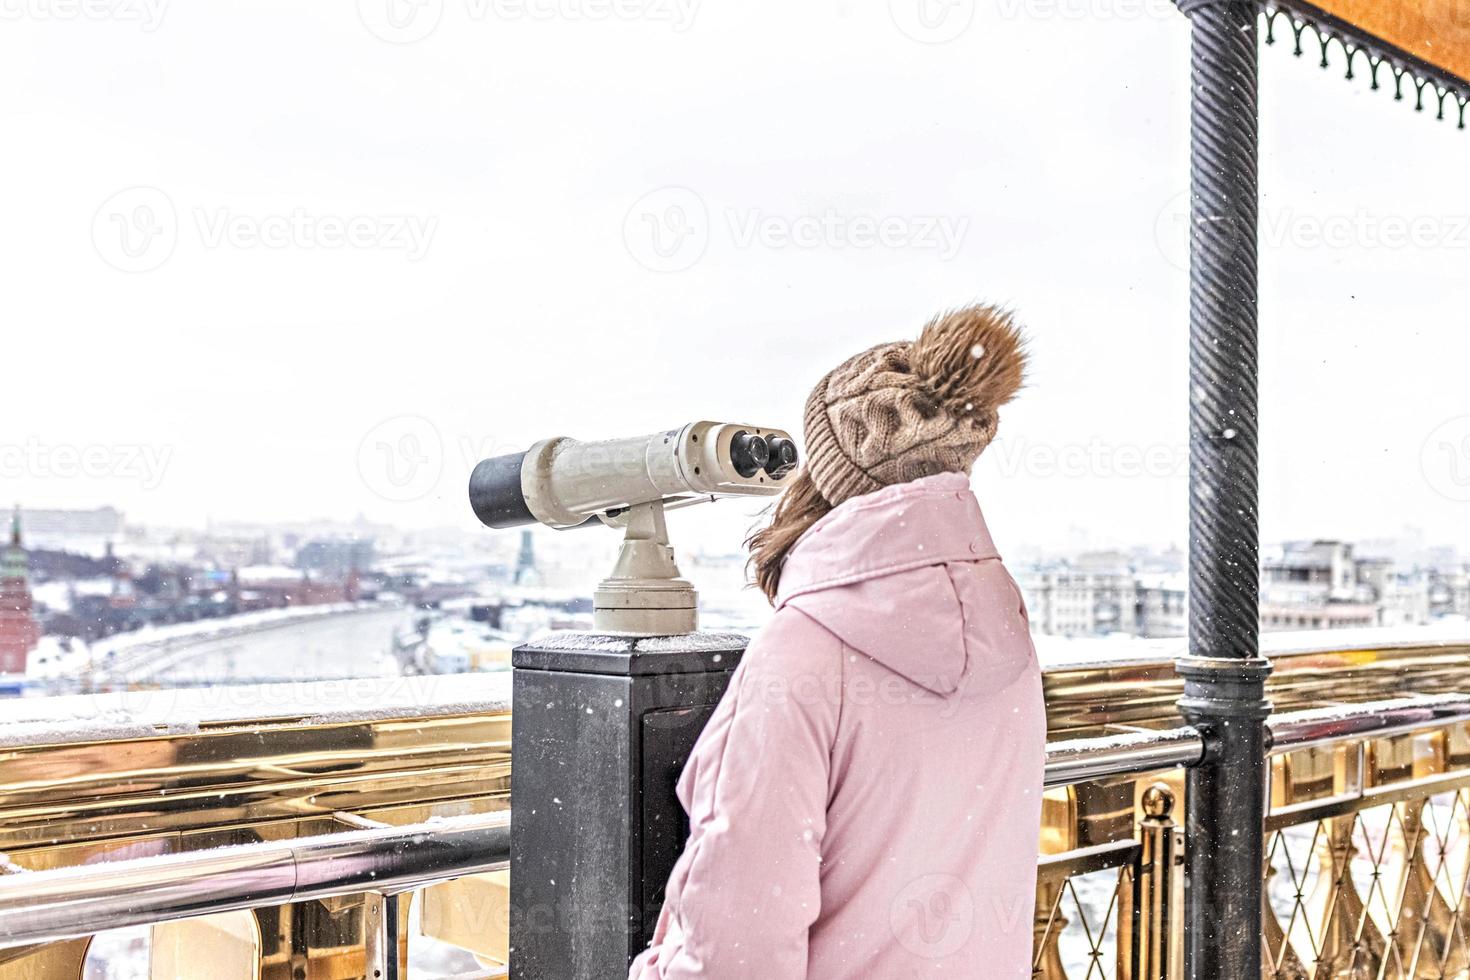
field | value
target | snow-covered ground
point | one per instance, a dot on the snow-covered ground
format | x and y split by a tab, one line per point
133	714
1061	652
59	594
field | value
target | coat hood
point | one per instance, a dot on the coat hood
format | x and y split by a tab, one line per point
875	572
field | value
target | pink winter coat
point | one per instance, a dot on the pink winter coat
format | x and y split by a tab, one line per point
865	802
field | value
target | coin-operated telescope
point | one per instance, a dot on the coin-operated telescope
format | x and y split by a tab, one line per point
594	714
629	484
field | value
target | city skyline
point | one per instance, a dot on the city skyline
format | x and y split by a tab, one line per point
111	524
158	578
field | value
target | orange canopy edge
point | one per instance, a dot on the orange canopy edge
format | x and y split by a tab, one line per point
1436	32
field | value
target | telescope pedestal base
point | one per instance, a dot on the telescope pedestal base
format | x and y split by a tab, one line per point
601	728
644	595
645	607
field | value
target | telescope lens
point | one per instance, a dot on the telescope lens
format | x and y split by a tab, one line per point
495	492
782	457
748	453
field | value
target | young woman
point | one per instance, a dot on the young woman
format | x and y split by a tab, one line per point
865	802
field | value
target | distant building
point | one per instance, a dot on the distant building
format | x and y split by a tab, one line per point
1311	571
85	531
1091	596
335	557
1316	585
1162	608
1449	591
276	587
19	631
1100	593
1305	585
1403	599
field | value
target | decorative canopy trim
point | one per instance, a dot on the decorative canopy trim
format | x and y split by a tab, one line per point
1441	86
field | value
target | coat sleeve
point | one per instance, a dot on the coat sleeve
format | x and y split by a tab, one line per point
748	886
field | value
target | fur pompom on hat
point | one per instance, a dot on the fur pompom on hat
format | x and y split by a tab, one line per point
911	409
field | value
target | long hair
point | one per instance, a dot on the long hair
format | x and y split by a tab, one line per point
801	505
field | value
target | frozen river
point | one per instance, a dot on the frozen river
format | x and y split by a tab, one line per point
350	644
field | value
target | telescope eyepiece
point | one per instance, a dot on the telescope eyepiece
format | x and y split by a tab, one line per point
749	453
781	457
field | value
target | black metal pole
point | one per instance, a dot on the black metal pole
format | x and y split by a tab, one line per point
1224	673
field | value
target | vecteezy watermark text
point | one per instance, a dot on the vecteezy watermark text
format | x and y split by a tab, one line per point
407	21
669	229
1016	456
147	14
941	21
127	461
301	229
1287	227
138	229
942	234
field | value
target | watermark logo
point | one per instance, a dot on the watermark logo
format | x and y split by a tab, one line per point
147	14
933	916
678	14
1017	456
1088	10
410	234
1445	459
932	21
401	458
400	21
667	230
1171	231
407	21
136	229
167	706
833	229
1286	227
135	705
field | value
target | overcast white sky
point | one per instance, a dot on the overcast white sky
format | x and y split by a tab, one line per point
255	253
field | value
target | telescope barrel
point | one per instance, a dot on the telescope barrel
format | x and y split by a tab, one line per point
496	494
563	482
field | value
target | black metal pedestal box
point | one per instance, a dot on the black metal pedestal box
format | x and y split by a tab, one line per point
601	727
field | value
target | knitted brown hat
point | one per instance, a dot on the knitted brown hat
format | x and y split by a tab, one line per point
910	409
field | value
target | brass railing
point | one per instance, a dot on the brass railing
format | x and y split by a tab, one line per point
1127	826
162	780
1369	818
378	863
1114	909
